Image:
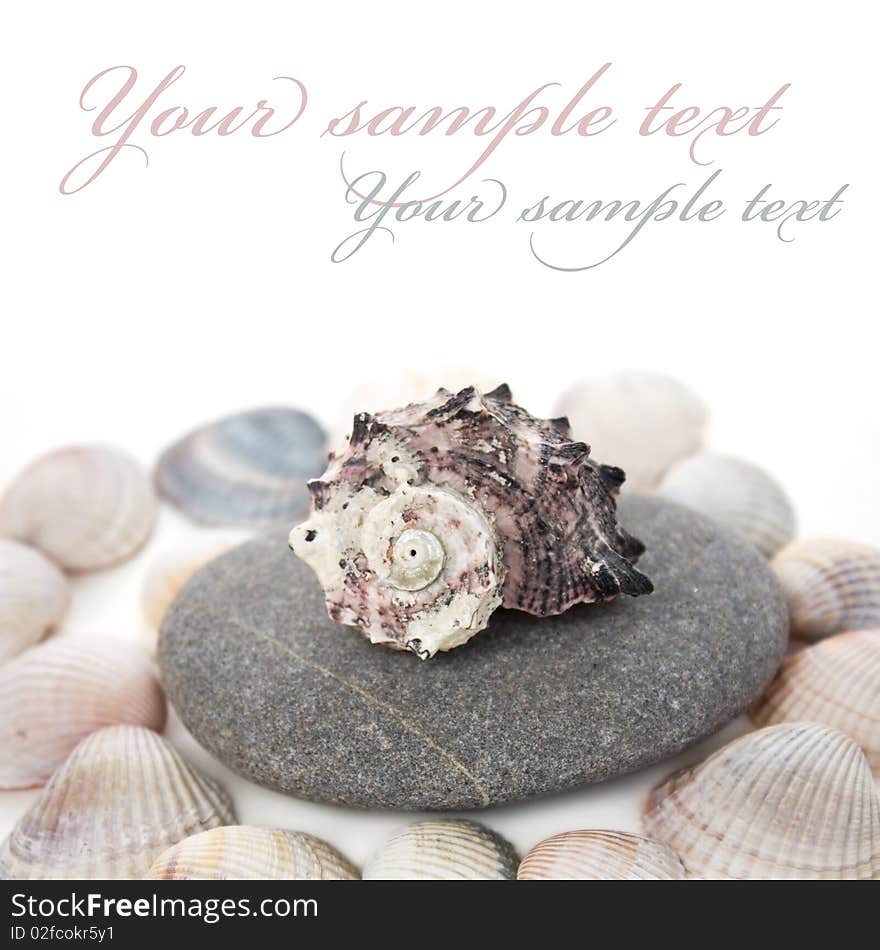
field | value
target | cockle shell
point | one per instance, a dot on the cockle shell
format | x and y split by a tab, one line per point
736	494
57	693
790	801
247	470
644	422
831	586
600	856
444	850
34	596
244	852
169	572
441	511
122	797
85	507
836	682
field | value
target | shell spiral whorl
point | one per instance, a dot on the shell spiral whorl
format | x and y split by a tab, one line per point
442	511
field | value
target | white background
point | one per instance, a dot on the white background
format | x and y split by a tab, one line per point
160	296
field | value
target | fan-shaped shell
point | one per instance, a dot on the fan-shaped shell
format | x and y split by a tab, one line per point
34	596
85	507
600	856
794	801
244	852
249	469
440	511
831	586
56	694
444	850
737	494
169	572
123	797
836	682
642	421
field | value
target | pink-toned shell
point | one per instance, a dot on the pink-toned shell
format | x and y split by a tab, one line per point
55	694
831	586
85	507
34	596
791	801
600	856
550	508
121	798
248	853
835	681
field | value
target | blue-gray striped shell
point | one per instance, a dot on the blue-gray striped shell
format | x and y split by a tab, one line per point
442	511
248	469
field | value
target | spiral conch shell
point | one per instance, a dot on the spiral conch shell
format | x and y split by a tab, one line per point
57	693
442	511
244	852
34	596
600	856
830	585
444	850
835	681
122	797
793	801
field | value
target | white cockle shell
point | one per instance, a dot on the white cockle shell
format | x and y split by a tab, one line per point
600	856
86	507
831	586
34	596
737	494
55	694
444	850
245	852
835	681
642	421
793	801
122	797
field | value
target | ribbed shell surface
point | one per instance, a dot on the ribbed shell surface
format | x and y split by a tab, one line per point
244	852
792	801
444	851
122	797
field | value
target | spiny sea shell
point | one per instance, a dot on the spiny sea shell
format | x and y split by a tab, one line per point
831	586
34	596
248	469
441	511
244	852
123	797
444	850
736	494
790	801
85	507
56	694
600	856
174	568
642	421
835	681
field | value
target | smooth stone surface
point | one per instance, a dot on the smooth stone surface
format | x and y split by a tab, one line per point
277	691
